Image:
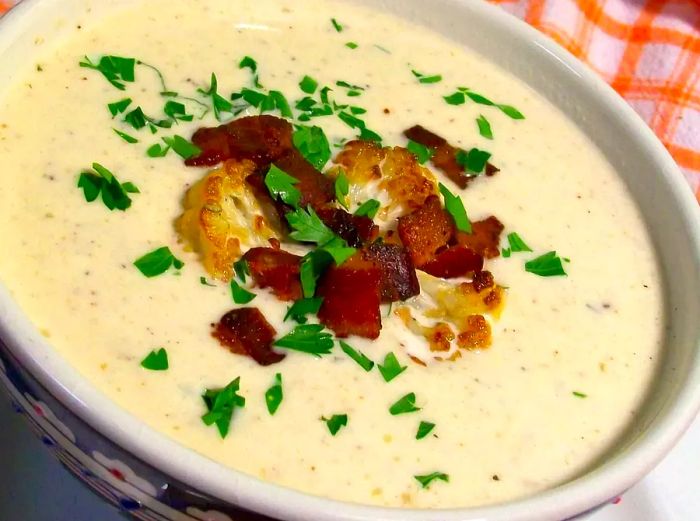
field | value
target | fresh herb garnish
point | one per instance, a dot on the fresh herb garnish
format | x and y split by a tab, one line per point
313	265
276	101
177	111
157	262
242	269
422	153
455	207
516	244
157	360
351	45
426	479
457	98
357	123
425	78
368	208
219	103
361	360
460	97
204	282
338	249
335	422
303	307
281	185
547	265
240	295
473	161
248	63
116	69
338	27
484	127
136	118
99	180
126	137
274	395
353	90
308	226
182	147
308	85
424	429
578	394
313	144
404	405
342	188
391	367
157	150
119	106
308	338
221	403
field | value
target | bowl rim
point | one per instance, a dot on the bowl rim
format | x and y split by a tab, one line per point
239	489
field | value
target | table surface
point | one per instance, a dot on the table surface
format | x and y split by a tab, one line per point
34	487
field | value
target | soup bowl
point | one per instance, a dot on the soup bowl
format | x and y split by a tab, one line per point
153	478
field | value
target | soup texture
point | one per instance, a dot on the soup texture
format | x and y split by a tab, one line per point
535	395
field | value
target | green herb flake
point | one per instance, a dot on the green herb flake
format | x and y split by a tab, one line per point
248	63
119	106
422	153
342	189
182	147
361	360
219	103
313	144
308	338
474	161
240	295
177	111
424	78
336	25
578	394
274	395
484	127
368	208
391	367
427	479
505	253
336	422
351	45
303	307
204	282
156	360
221	404
404	405
157	150
308	227
116	69
547	265
277	100
455	207
457	98
511	112
241	268
157	262
312	266
424	429
338	249
136	118
281	185
308	85
100	180
517	244
126	137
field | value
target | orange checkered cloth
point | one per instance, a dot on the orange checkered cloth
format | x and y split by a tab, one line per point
648	50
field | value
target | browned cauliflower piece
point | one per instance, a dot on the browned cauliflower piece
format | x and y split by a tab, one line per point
222	216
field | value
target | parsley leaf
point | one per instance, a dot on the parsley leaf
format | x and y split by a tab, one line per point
274	395
221	403
338	27
368	209
308	227
240	295
511	112
219	103
391	368
157	150
424	78
308	85
361	360
126	137
119	106
157	262
115	195
457	98
516	243
473	161
241	268
313	144
182	147
136	118
547	265
308	338
422	153
429	478
404	405
281	185
157	360
303	307
351	45
342	188
424	429
484	127
203	281
249	63
312	265
177	111
357	123
579	394
338	249
115	69
276	100
335	422
455	207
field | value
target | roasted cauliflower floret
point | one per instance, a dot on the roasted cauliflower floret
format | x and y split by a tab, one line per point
222	217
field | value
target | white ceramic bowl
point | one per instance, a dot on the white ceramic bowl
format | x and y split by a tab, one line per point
103	444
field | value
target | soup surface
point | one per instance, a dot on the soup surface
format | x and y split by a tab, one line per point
571	356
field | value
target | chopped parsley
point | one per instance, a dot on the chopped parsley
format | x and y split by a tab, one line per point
136	118
308	338
422	153
342	189
517	244
547	265
126	137
241	268
357	123
427	479
240	295
157	360
281	186
336	25
353	90
99	180
177	111
473	161
248	63
361	360
351	45
182	147
404	405
303	307
368	208
308	85
157	262
335	422
308	227
455	207
460	97
204	282
221	404
157	150
313	144
424	429
391	368
116	69
578	394
425	78
457	98
219	103
312	265
274	395
484	127
119	106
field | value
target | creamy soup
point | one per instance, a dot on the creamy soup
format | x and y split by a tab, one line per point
570	358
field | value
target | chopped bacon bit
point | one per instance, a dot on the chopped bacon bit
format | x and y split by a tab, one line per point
261	139
360	161
491	170
245	331
426	230
456	261
398	276
277	270
355	230
351	298
485	237
483	280
476	333
316	189
439	337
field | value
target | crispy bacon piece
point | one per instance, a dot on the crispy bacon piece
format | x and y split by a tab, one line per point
426	230
261	139
246	332
355	230
476	333
351	298
456	261
398	275
485	237
275	269
316	189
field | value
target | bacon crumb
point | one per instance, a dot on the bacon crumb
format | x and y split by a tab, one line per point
485	237
398	275
355	230
426	230
277	270
245	331
456	261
